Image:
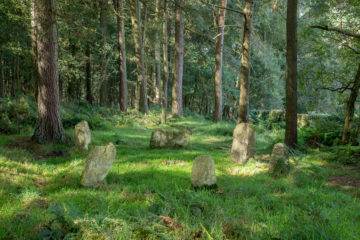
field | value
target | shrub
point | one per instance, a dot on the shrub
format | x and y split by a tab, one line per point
321	132
16	114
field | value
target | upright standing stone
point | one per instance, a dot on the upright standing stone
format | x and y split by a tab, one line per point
82	136
303	120
168	138
279	160
98	165
203	172
243	144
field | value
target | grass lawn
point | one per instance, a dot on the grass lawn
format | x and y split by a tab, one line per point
148	193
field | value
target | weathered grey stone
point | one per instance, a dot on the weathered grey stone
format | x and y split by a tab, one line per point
243	143
203	172
303	120
169	138
82	136
277	115
98	165
279	164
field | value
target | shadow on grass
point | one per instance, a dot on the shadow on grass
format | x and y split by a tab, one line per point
293	207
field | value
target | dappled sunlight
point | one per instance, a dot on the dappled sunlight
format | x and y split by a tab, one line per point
148	191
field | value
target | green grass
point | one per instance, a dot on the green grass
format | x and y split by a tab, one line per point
148	193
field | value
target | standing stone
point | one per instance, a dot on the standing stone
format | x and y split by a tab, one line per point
303	120
98	165
169	138
279	164
203	172
277	115
82	136
243	145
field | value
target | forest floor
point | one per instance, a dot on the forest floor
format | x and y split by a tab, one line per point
148	193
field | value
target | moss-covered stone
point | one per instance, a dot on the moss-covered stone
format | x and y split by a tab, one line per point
277	115
169	138
243	146
98	165
82	136
279	163
203	172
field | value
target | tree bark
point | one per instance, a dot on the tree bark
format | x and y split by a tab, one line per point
350	108
177	108
157	57
122	56
141	78
104	79
166	63
144	84
218	111
245	65
34	36
89	97
49	128
2	90
291	74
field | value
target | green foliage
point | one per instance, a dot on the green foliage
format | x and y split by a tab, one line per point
322	132
16	114
61	226
342	154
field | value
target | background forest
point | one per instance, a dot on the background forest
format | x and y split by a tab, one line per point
277	79
88	53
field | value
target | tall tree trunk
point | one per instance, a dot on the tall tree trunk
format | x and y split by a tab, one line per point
141	78
157	57
104	79
34	36
2	90
166	63
143	22
13	80
350	108
49	128
89	96
245	65
122	56
291	74
219	64
177	108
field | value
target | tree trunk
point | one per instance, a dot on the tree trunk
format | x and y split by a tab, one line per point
245	65
350	108
291	74
141	79
89	96
49	128
166	63
219	63
144	89
2	90
104	79
157	57
177	108
122	56
34	36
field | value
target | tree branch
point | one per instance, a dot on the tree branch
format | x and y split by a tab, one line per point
339	89
345	44
226	8
275	6
338	30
